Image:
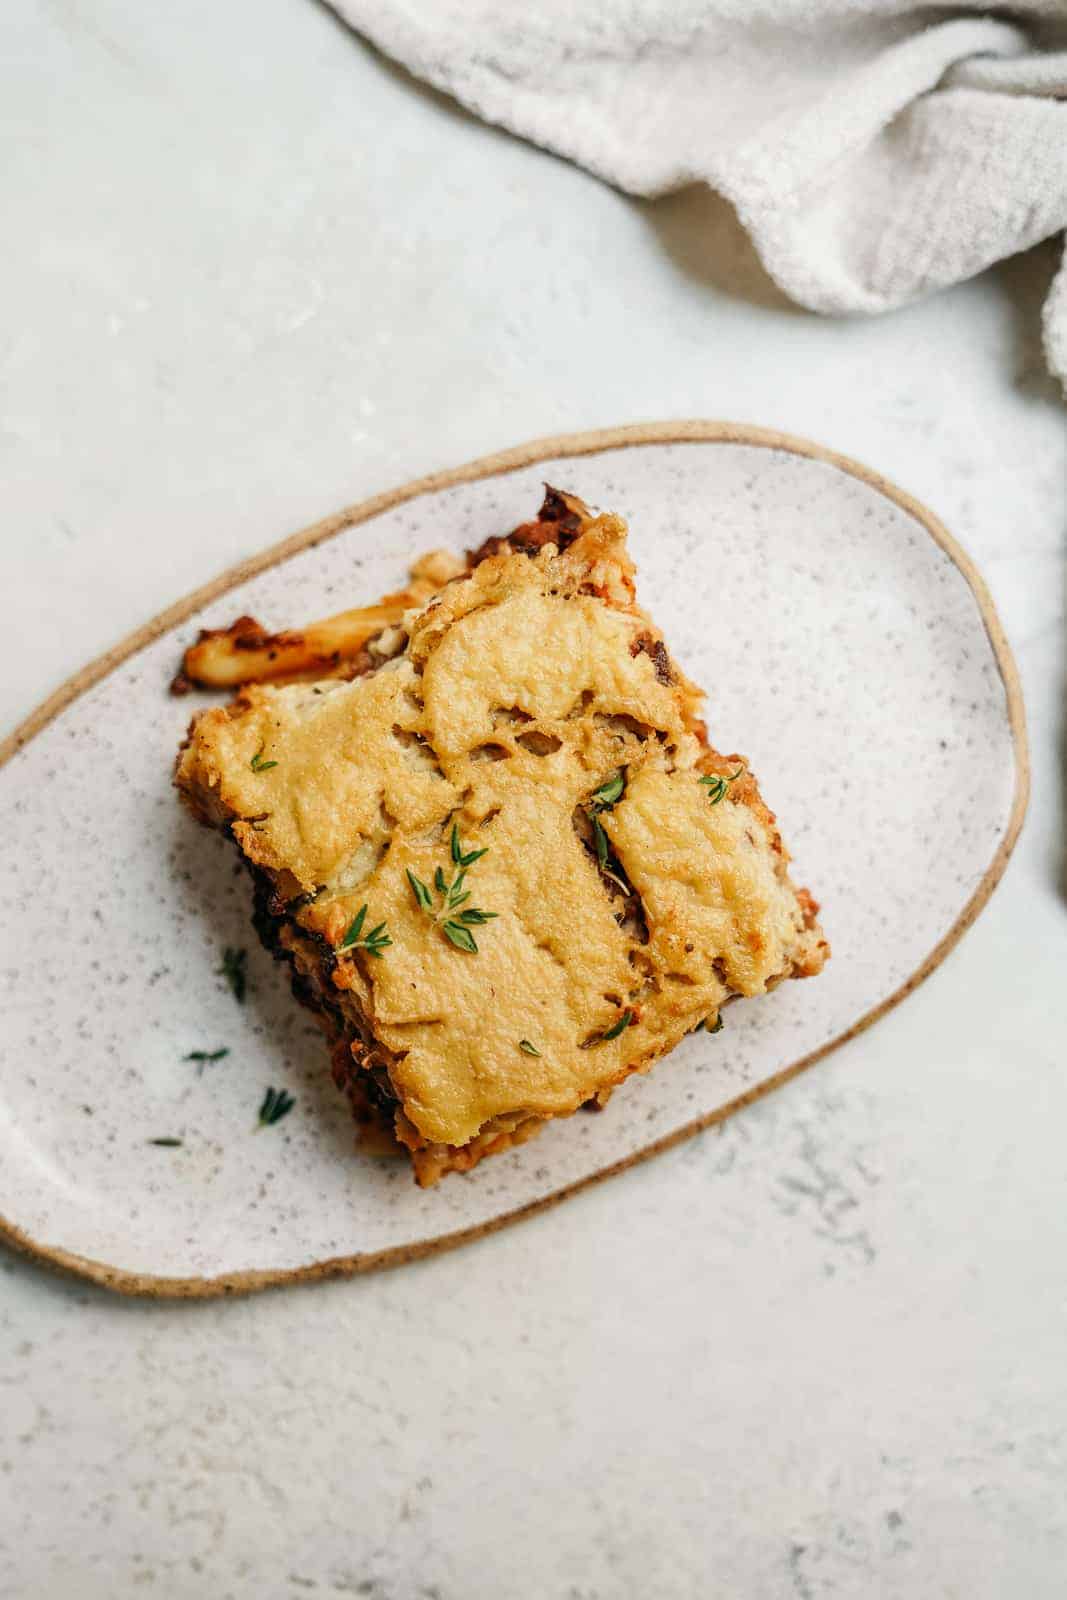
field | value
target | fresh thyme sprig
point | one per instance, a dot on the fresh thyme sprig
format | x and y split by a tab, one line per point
257	762
717	785
277	1103
233	970
602	799
454	924
201	1057
374	942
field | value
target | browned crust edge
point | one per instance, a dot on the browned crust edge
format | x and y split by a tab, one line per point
505	461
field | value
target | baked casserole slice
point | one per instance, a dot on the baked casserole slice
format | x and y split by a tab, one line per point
503	862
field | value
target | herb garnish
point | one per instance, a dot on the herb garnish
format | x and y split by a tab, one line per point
717	785
527	1048
233	970
458	856
373	942
603	799
277	1103
257	762
167	1144
201	1057
625	1021
454	924
608	794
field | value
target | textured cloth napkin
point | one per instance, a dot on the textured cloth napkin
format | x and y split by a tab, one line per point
874	149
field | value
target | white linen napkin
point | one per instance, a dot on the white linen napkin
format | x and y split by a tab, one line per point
874	149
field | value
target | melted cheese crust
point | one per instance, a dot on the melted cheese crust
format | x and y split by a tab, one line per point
524	687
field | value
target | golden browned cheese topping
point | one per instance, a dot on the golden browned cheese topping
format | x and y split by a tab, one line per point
525	688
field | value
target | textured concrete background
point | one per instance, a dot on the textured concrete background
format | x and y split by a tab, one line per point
252	274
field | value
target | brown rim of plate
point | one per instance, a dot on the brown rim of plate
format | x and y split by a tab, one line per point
594	442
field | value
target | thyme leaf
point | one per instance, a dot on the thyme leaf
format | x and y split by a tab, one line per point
609	793
717	785
460	936
454	889
277	1103
458	856
375	942
166	1144
527	1048
420	891
233	970
625	1021
201	1057
257	762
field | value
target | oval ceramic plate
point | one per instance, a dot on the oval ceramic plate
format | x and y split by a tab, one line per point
847	646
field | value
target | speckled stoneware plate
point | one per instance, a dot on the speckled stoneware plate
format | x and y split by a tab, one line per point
848	647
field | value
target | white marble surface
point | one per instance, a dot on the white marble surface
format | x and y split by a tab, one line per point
251	274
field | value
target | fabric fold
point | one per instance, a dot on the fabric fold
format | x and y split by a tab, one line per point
875	150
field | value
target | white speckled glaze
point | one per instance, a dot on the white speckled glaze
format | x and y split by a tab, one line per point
843	651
